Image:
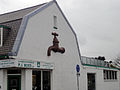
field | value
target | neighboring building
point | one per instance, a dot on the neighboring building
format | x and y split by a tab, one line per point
99	75
39	51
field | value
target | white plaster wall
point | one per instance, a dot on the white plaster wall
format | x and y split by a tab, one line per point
28	79
23	79
3	79
38	38
100	83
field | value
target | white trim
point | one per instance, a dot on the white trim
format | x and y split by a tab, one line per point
41	79
51	80
1	41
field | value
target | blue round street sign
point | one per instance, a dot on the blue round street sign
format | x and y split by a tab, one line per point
77	68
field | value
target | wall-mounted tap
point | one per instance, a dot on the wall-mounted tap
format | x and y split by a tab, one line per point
55	47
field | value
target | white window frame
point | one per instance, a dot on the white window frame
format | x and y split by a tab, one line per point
55	22
42	78
113	75
1	32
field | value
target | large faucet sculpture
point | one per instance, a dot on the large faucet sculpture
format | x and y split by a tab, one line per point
55	47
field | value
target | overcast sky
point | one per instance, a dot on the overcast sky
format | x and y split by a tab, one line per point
96	22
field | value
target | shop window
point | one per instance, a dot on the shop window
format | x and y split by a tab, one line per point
41	80
36	80
46	80
110	75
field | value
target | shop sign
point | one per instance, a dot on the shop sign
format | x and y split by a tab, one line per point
34	64
44	65
25	64
7	63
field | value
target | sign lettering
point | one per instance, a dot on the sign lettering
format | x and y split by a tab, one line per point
25	64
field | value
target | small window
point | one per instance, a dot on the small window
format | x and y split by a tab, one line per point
105	75
110	75
115	75
4	33
1	36
55	22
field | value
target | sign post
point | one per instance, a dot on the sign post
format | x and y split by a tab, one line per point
78	74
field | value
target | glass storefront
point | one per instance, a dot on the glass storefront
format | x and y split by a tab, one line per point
41	80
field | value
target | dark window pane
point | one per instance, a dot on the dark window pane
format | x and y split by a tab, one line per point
14	72
115	75
91	81
46	80
107	74
36	80
110	74
14	82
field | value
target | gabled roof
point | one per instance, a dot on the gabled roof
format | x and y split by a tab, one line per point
12	21
18	14
23	16
23	25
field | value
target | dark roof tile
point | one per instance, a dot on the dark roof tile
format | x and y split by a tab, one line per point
18	14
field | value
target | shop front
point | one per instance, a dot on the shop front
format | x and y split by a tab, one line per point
25	75
41	80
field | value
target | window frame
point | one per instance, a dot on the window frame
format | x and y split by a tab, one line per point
1	36
110	75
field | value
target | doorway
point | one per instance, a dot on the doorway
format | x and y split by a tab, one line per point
14	82
14	79
91	81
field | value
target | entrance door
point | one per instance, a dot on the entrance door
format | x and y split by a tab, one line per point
91	81
14	82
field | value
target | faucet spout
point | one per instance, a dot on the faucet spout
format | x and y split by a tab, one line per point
55	47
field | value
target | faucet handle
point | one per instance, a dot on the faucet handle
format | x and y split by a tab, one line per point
54	33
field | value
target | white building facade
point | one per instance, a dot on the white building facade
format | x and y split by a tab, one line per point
98	75
45	54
